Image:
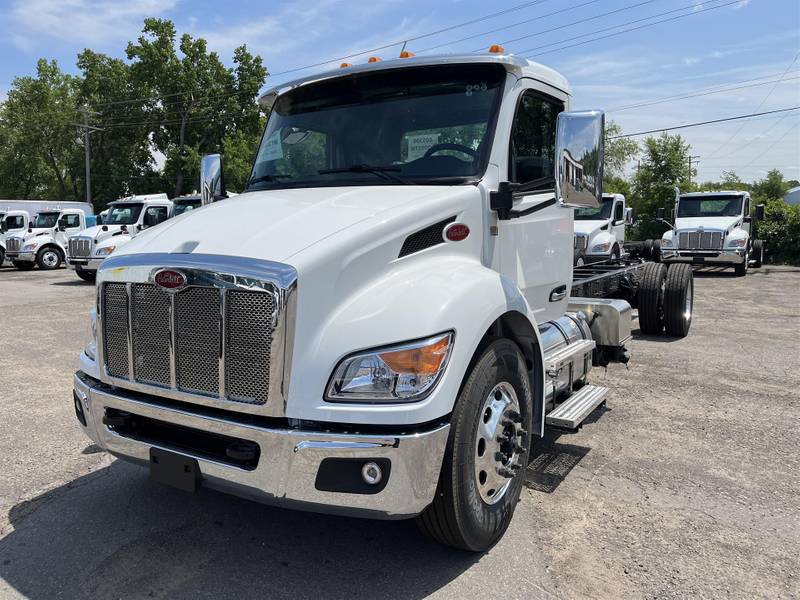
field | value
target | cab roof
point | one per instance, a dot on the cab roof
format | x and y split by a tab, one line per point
715	193
518	65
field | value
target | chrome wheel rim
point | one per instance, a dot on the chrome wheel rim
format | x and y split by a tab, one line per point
50	258
497	443
580	262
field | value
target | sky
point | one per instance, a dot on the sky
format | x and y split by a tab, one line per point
615	53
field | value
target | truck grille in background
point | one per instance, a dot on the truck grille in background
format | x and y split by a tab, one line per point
700	240
580	242
206	326
13	244
80	247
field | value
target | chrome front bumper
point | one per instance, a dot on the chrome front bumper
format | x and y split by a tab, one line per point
727	257
289	460
86	264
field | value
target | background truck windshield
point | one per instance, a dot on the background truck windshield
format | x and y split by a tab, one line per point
713	206
46	219
601	213
422	124
181	207
123	214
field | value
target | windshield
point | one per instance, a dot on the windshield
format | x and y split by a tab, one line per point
420	125
711	206
123	214
601	213
181	207
44	220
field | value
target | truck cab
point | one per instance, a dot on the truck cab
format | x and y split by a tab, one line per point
381	324
600	231
44	243
714	229
125	219
185	204
12	223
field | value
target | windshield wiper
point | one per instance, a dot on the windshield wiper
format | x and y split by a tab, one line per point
384	171
264	178
543	183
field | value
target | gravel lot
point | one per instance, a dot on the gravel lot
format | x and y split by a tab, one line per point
686	485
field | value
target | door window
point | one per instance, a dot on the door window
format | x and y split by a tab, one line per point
618	212
155	215
70	221
533	138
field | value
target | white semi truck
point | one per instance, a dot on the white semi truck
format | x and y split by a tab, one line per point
125	219
44	242
386	320
713	229
12	223
600	230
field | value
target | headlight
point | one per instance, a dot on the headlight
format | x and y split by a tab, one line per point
105	251
29	247
601	247
666	242
91	344
401	373
737	243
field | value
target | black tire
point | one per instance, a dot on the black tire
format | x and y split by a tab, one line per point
23	266
2	257
678	300
615	253
459	516
650	299
655	254
88	276
757	252
741	268
580	259
647	249
49	258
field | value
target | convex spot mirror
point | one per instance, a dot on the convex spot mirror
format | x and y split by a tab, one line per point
579	158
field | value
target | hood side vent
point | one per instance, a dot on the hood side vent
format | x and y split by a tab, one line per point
432	235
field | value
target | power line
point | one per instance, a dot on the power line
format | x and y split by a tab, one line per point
698	124
775	143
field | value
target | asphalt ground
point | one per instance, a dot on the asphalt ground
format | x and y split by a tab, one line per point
686	485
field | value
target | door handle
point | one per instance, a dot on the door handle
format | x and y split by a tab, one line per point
558	293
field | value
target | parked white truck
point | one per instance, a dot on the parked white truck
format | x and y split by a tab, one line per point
12	223
44	243
125	219
713	229
600	230
381	324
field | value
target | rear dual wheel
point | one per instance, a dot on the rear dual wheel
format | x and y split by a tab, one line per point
484	464
666	299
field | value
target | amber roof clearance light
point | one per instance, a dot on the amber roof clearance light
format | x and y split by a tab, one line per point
496	49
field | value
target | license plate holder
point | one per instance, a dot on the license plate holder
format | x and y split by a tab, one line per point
174	470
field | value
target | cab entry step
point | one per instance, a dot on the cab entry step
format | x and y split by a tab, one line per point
571	413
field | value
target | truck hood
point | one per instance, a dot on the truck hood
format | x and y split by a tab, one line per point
723	223
588	227
278	224
26	236
97	233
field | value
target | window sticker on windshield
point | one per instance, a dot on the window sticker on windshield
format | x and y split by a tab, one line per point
476	87
273	150
418	145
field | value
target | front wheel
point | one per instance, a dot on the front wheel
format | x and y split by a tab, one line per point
741	268
484	464
88	276
22	266
48	258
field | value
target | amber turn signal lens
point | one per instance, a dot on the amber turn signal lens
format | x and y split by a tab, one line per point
497	49
423	361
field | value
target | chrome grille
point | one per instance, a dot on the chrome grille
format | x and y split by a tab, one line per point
248	328
700	240
151	334
197	332
13	244
80	247
115	329
209	341
579	242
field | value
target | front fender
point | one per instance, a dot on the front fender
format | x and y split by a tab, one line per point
417	300
600	238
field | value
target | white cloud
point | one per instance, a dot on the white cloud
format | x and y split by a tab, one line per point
80	21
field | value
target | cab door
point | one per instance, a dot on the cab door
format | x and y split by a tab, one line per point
69	224
536	249
618	221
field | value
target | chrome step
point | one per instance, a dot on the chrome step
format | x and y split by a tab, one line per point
555	361
571	413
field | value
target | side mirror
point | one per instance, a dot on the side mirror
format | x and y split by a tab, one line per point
140	226
62	227
579	158
660	213
628	216
105	228
212	180
759	212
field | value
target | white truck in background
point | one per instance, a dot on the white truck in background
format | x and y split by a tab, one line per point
12	222
384	322
185	204
713	229
44	243
125	219
600	230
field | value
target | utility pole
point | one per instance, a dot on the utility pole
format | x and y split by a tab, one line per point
87	131
691	162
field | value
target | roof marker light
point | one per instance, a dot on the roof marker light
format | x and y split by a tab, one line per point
374	59
345	65
407	54
496	49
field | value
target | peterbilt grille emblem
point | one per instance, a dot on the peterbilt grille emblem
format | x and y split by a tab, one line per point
170	280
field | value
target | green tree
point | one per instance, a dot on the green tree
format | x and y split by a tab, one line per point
664	165
618	152
772	187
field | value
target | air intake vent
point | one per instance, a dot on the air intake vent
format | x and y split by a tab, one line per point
425	238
